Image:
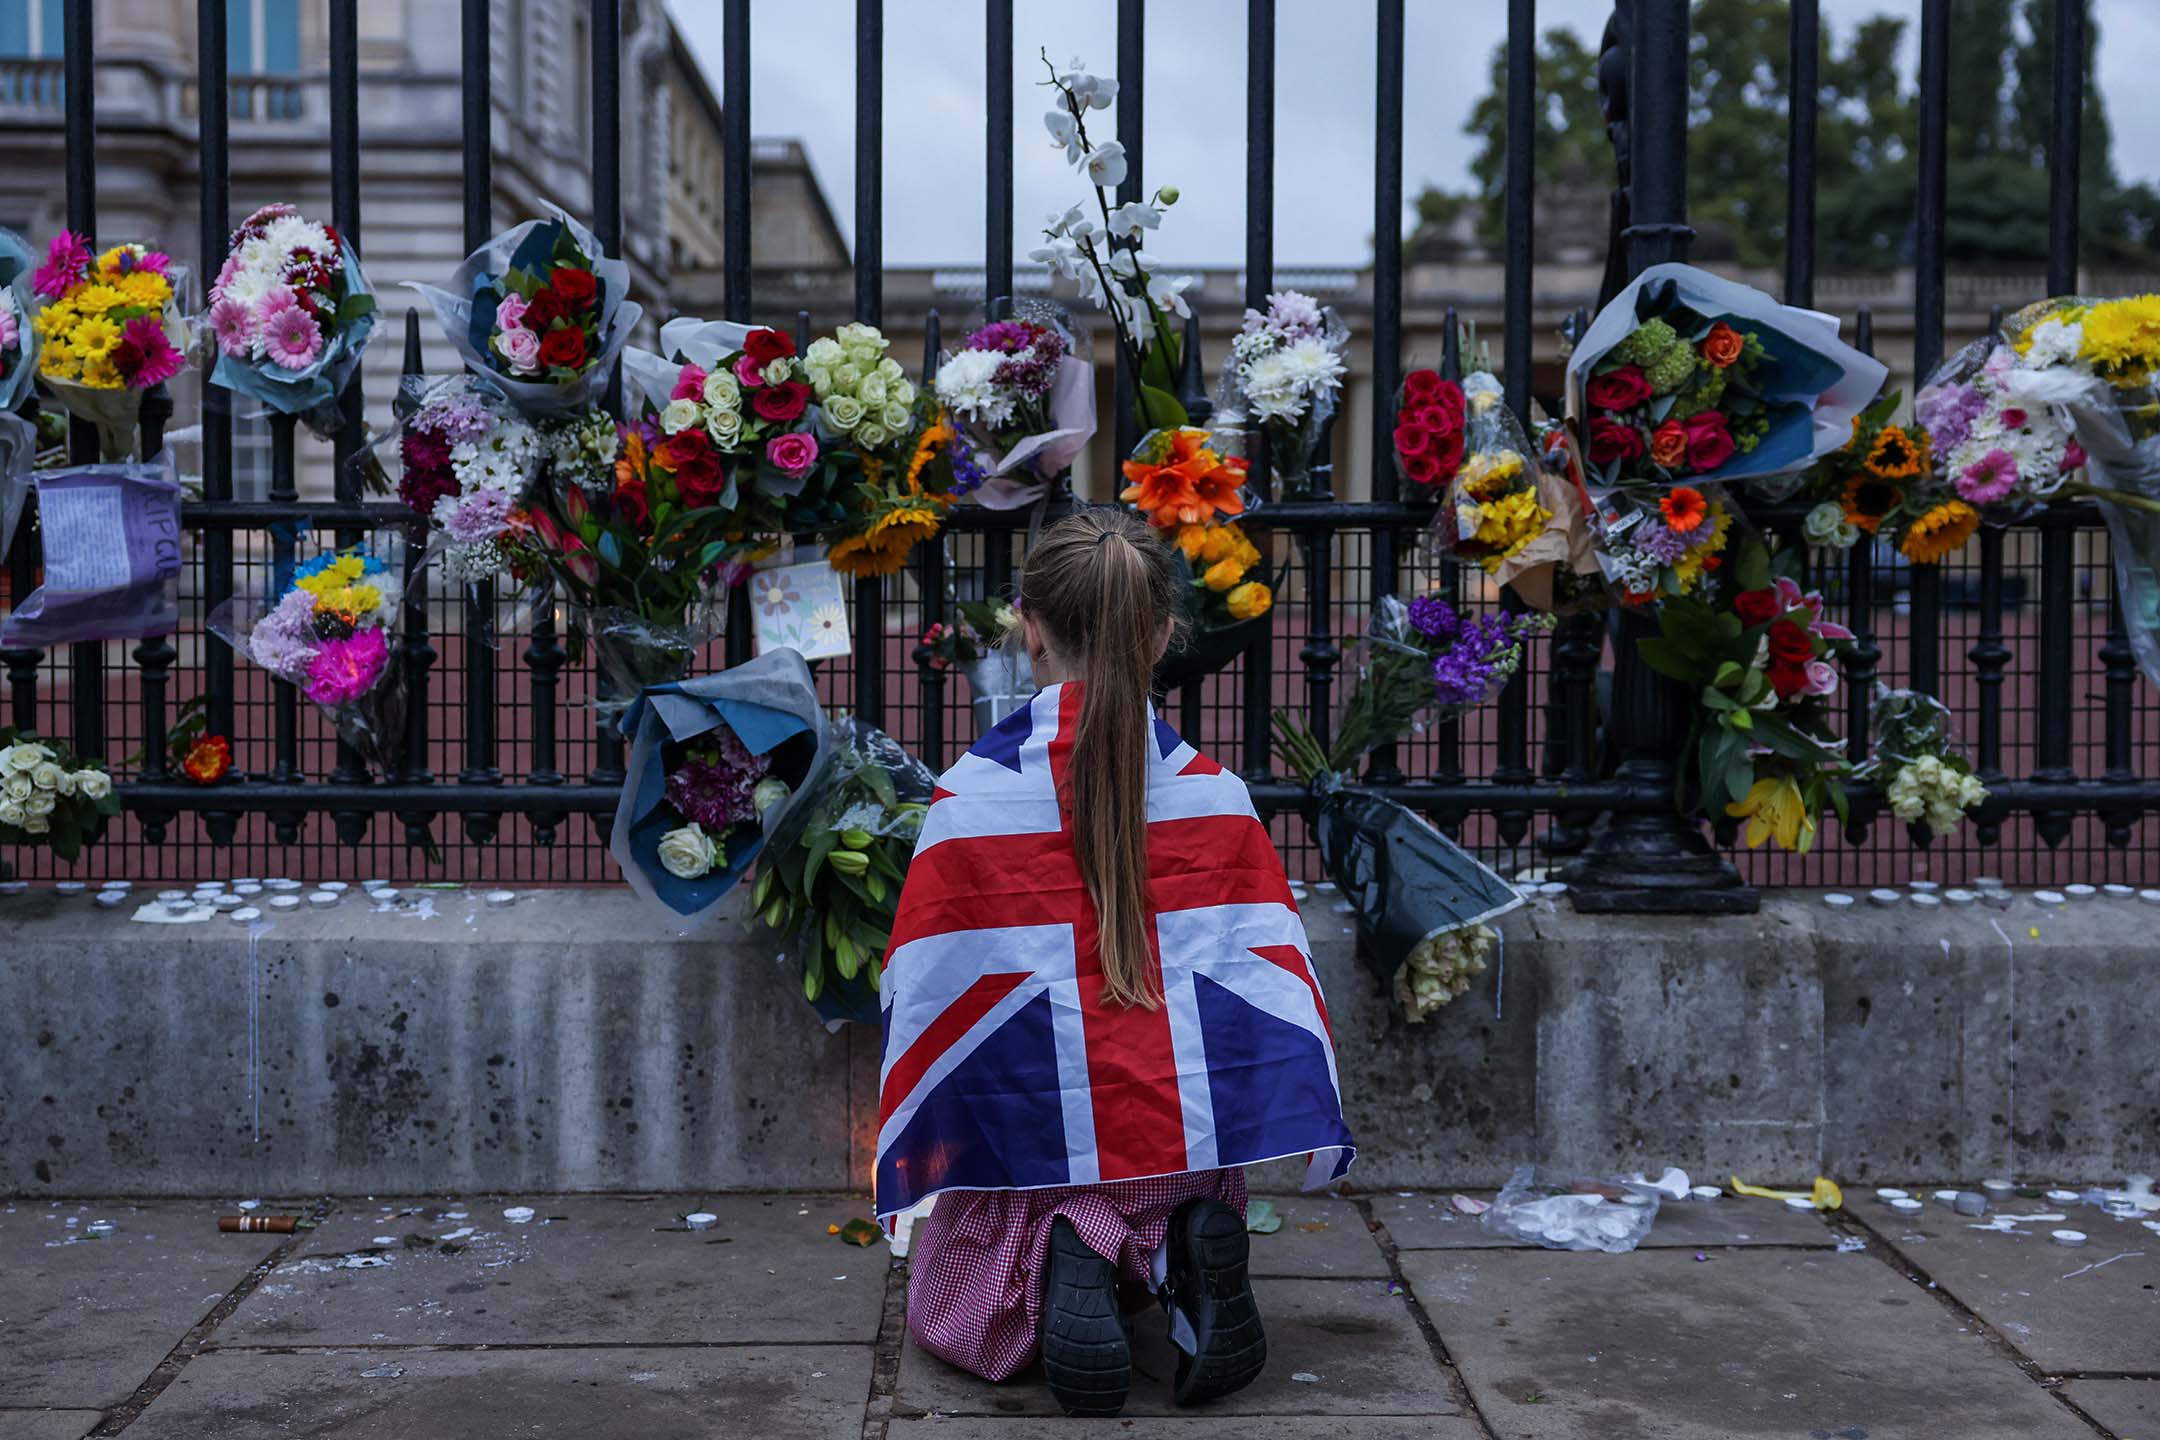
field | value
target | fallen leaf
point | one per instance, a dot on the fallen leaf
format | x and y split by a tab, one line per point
832	1229
858	1232
1312	1226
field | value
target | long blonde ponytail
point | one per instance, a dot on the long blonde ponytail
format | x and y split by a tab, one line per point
1100	584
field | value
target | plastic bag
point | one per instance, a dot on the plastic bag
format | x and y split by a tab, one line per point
310	391
111	540
1284	375
18	449
1806	384
18	332
467	312
769	707
634	652
330	627
1000	682
1562	1212
1021	390
867	798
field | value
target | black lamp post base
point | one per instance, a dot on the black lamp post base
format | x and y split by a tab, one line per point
1652	864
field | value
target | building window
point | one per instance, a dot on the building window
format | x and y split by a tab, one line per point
262	37
30	29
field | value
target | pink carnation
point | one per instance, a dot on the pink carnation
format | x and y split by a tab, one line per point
1990	478
345	669
689	385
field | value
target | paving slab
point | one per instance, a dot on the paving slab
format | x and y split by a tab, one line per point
1364	1352
2130	1408
1431	1222
83	1321
774	1392
1746	1342
2092	1307
1223	1427
47	1424
1320	1239
585	1269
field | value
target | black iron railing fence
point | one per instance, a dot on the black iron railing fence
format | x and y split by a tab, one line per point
504	767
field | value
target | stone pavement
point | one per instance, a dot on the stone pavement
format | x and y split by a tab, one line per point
1389	1315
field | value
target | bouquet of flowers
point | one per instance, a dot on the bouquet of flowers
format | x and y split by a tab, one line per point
831	876
1190	489
49	796
1653	549
1423	659
290	312
979	641
1105	259
1685	377
465	462
714	765
541	312
332	631
1914	761
1420	900
1021	394
110	330
1284	374
1429	415
1864	486
18	373
1760	745
1491	511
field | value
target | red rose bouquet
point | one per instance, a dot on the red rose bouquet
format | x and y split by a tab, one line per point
1429	413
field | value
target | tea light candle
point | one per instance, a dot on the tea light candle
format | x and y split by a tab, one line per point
1884	896
1838	902
321	899
2080	892
246	914
1907	1207
284	902
2050	897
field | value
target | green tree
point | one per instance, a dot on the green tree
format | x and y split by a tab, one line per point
1998	117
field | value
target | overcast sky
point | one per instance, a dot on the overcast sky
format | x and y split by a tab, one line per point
803	86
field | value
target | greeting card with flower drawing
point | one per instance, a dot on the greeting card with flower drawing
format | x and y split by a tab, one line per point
801	607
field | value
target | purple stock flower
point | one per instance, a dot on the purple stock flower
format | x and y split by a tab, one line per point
1434	618
968	474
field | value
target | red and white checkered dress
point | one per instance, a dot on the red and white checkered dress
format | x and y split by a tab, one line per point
975	1269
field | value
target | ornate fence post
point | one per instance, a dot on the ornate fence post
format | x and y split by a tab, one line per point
1652	859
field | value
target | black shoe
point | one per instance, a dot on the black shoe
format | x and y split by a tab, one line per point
1086	1349
1209	1284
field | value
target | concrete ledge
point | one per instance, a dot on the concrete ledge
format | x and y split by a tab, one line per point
573	1043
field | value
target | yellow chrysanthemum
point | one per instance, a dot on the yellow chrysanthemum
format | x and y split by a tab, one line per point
95	336
58	359
146	288
1940	531
97	299
1507	524
351	601
1774	810
2123	333
1487	473
57	318
98	373
1249	600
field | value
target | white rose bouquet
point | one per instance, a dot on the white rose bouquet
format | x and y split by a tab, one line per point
49	796
1915	761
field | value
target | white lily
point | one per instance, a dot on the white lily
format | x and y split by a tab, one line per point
1065	131
1105	165
1127	221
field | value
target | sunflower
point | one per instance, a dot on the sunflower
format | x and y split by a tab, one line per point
1683	508
1940	531
1868	499
928	446
1895	455
881	547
